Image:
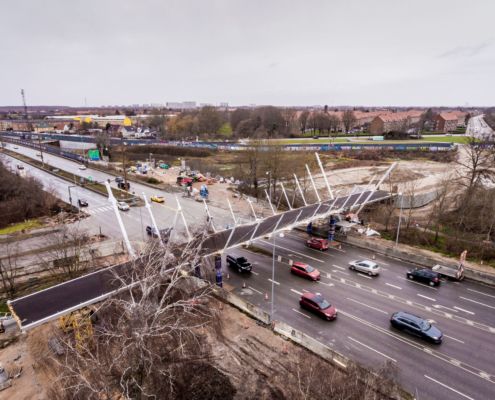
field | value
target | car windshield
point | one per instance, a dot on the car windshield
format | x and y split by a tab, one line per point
322	303
374	266
425	325
309	268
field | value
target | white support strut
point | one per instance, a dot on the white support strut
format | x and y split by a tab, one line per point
286	197
113	201
300	190
324	175
155	227
313	183
179	210
269	202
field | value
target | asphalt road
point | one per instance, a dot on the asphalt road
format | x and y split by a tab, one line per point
462	367
102	214
478	128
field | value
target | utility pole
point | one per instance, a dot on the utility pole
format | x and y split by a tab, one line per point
400	219
123	164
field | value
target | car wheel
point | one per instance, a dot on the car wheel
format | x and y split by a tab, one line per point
352	267
432	283
370	273
410	277
240	270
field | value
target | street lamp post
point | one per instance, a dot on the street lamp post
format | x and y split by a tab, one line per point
269	173
70	197
273	275
123	164
400	219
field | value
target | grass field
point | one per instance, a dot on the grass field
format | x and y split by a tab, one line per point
29	224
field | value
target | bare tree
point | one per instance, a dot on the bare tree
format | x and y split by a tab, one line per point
149	341
303	121
348	119
476	161
8	269
70	250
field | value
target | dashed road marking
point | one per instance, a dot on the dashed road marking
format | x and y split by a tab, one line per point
366	305
299	312
394	286
255	290
275	282
256	273
364	276
453	338
448	387
336	266
296	292
483	293
426	297
462	309
372	349
477	302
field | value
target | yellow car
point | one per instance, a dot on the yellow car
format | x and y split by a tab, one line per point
158	199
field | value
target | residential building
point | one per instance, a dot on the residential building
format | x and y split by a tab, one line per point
398	121
447	122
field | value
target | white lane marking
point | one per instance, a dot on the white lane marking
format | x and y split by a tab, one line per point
396	287
364	276
275	282
425	297
336	266
483	293
462	309
477	302
341	272
299	312
453	338
296	292
366	305
447	308
448	387
292	251
329	276
372	349
327	284
256	273
256	290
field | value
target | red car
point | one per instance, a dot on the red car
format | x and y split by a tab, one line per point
315	303
305	270
317	243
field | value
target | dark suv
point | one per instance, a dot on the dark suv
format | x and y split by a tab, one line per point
240	263
416	326
424	275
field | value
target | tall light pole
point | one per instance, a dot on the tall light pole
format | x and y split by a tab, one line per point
123	164
70	197
400	219
269	173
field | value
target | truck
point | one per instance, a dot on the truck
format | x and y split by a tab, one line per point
455	273
240	263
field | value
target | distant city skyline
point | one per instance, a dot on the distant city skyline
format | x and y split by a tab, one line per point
355	53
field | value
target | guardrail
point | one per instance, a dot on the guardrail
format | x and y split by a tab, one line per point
231	146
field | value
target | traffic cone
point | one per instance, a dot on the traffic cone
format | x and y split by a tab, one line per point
228	275
244	285
373	257
340	246
266	296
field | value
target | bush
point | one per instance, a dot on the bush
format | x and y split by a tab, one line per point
153	181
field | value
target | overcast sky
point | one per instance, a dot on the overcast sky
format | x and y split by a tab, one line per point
366	52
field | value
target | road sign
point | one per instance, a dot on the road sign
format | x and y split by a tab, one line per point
94	155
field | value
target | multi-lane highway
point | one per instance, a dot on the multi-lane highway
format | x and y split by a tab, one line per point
462	367
478	128
100	210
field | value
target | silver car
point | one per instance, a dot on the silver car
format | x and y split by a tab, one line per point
123	206
366	266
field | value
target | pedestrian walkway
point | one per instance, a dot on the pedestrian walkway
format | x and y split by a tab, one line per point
99	210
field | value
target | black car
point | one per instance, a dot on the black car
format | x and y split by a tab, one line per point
119	179
164	233
424	275
240	263
416	326
82	203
